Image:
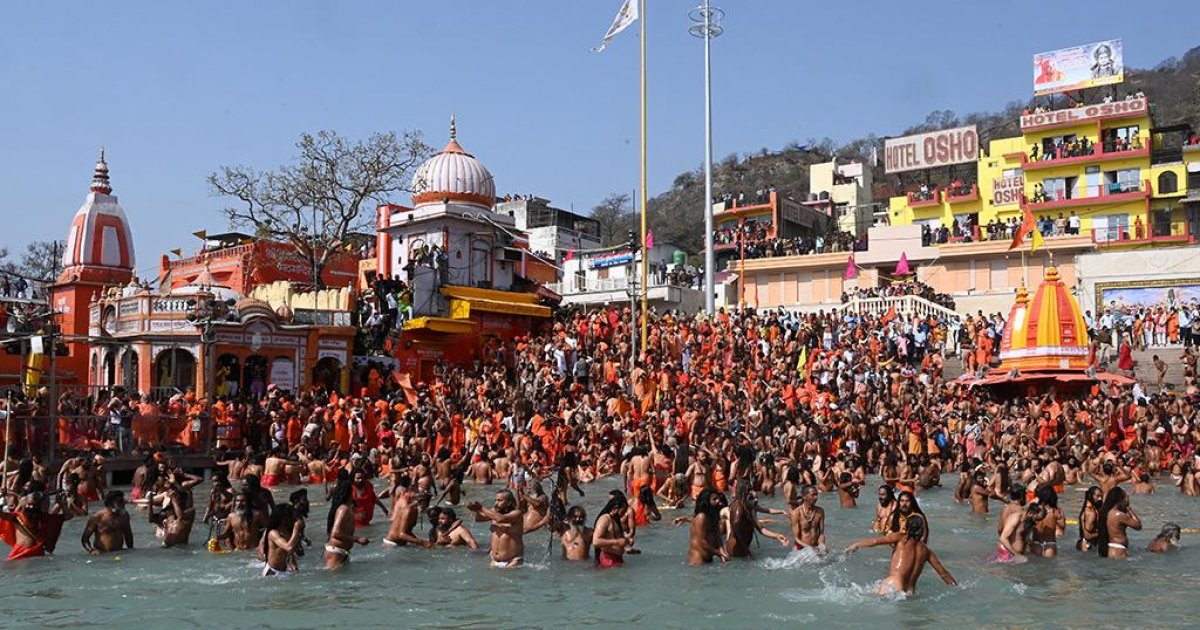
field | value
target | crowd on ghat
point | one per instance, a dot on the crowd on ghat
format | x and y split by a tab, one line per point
755	240
900	289
716	410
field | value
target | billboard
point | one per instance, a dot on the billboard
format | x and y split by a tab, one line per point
611	260
1090	65
1072	115
927	150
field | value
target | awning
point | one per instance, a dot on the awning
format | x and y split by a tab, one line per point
493	301
441	324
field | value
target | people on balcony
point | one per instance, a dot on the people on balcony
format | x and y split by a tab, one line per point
900	289
768	247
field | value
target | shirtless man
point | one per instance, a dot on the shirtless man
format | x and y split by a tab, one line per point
1048	529
481	470
508	529
1166	540
405	512
449	531
108	529
608	536
179	512
909	556
277	469
641	470
980	493
237	466
1014	530
284	535
340	524
1116	516
536	507
705	539
576	535
1109	475
808	521
883	512
743	523
244	525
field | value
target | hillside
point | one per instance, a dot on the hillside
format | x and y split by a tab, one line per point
1173	88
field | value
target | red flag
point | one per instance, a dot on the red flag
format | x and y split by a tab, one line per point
1028	224
649	239
851	269
902	266
570	255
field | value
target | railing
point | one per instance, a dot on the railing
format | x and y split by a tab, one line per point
602	285
237	251
904	304
919	199
1109	192
963	193
1128	235
1105	151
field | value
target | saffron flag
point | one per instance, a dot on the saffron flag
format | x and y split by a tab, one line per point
1037	241
888	316
649	239
405	382
1027	225
803	362
851	269
626	16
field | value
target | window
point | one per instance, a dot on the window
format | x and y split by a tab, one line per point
1162	222
1121	139
1056	188
1167	183
1110	227
1123	181
1193	180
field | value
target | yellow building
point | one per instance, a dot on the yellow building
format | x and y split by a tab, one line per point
1105	164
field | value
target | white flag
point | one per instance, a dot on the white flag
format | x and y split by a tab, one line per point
626	16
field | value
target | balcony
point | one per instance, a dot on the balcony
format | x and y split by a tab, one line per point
1191	148
1125	236
725	241
1098	154
749	206
924	199
1110	194
959	195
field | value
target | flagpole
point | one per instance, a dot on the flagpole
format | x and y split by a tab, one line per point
645	253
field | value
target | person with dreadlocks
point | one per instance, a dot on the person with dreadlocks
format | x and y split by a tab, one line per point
743	522
340	523
609	538
1166	540
1116	516
909	557
906	506
285	531
704	541
1089	519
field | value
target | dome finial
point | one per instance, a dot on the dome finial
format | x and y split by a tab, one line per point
453	128
100	182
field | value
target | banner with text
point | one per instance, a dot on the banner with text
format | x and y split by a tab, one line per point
928	150
1007	190
1125	108
1090	65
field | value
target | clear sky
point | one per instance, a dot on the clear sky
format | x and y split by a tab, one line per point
174	89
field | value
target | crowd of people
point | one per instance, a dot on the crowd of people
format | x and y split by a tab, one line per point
742	198
719	411
900	289
1051	103
835	241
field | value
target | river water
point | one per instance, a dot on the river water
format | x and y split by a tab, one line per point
453	588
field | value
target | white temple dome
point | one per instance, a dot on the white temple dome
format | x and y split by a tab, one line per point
454	176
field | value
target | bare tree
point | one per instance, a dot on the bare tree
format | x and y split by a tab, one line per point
325	195
42	260
615	217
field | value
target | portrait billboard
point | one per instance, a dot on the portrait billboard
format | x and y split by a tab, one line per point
1079	67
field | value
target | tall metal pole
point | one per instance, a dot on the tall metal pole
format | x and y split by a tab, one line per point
645	254
706	16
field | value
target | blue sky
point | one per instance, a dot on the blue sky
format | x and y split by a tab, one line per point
174	89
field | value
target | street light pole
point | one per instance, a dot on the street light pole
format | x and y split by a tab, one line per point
706	27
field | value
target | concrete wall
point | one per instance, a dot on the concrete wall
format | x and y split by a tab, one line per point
282	293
